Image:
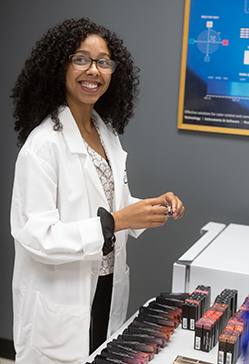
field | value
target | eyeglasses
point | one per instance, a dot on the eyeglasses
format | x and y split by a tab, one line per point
81	62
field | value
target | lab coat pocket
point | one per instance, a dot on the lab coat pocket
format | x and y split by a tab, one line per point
60	332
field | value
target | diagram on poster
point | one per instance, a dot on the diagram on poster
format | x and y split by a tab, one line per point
208	41
214	89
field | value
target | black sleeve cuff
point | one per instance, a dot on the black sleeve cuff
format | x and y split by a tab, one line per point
108	225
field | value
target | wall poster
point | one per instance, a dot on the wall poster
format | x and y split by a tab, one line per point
214	85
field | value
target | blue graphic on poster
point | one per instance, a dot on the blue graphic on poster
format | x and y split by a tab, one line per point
217	64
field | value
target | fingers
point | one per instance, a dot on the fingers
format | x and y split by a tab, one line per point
179	213
175	203
155	215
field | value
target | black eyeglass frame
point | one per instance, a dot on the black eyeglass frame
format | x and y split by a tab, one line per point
112	63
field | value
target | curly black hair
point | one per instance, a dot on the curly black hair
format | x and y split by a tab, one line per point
40	87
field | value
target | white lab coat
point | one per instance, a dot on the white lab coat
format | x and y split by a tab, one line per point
58	242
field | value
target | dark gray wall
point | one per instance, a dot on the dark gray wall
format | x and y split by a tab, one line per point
208	171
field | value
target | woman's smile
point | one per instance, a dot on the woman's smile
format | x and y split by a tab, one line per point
89	85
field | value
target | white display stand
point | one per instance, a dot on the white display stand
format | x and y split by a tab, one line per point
220	259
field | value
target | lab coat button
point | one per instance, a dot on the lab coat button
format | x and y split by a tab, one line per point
94	271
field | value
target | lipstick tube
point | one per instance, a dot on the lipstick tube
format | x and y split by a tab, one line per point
143	349
142	339
145	330
116	346
151	325
162	314
145	337
110	354
157	320
99	359
169	309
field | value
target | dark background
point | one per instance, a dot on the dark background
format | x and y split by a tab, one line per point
209	172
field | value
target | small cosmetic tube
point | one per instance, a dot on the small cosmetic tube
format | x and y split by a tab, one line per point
100	359
198	334
207	335
115	346
110	354
146	337
142	339
166	331
157	320
232	348
193	315
169	309
140	348
175	295
170	301
159	313
185	315
150	332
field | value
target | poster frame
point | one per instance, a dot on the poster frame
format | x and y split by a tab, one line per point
182	90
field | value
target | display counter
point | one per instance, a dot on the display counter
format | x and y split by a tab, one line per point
181	343
219	259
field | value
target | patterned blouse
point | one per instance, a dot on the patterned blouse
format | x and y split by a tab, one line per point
105	174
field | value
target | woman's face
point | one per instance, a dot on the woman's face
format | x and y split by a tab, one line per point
85	87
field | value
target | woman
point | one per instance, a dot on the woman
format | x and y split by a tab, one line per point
71	208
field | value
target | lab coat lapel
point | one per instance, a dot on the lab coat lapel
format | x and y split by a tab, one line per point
71	132
118	162
77	146
117	158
